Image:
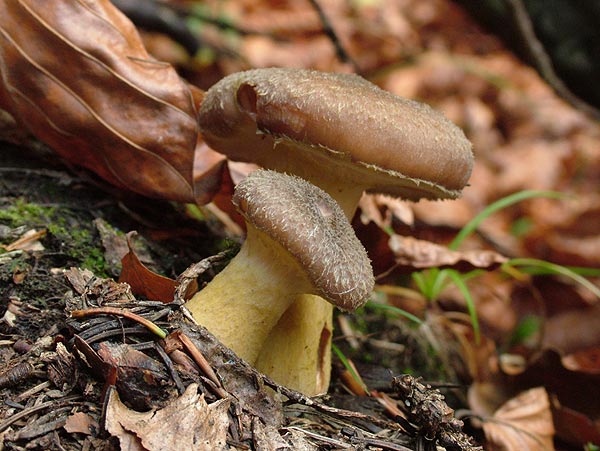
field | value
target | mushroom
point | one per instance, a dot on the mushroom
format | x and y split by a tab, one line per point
298	242
343	134
339	131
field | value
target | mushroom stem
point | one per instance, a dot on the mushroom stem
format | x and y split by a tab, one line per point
245	300
297	352
309	166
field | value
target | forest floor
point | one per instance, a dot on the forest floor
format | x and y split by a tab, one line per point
525	377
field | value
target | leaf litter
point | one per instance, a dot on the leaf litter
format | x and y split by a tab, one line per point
525	137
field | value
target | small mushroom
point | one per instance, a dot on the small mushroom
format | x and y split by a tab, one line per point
343	134
298	242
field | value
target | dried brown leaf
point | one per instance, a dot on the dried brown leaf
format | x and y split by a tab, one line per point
530	164
143	382
574	427
380	209
77	75
586	360
573	330
524	422
144	282
455	213
106	290
421	254
187	422
29	241
81	423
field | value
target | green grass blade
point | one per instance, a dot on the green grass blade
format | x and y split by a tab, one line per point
396	310
420	280
552	268
462	286
505	202
349	367
439	283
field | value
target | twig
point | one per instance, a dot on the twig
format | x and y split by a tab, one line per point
340	51
120	312
202	363
310	402
170	367
24	413
542	61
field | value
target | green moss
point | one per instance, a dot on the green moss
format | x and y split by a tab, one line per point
95	262
25	213
68	236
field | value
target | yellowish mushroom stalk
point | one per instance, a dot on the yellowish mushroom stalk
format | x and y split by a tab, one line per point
297	352
243	302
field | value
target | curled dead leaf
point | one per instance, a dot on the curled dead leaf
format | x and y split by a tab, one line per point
380	208
423	254
585	360
77	75
145	282
524	422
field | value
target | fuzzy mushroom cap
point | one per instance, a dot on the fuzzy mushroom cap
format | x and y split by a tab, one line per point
311	226
390	144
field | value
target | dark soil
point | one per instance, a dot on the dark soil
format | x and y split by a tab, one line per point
37	192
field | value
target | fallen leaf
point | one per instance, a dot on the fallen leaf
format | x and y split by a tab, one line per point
143	281
455	213
561	248
29	241
530	164
104	104
586	360
574	427
81	423
573	330
549	369
208	172
106	290
143	382
267	438
522	423
380	209
422	254
186	423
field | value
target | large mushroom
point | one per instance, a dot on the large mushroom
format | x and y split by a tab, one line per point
345	135
298	242
339	131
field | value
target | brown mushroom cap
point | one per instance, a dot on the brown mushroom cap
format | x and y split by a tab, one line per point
311	226
384	142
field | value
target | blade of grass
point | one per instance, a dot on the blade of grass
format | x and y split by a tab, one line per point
551	268
439	283
396	310
420	278
462	286
349	367
507	201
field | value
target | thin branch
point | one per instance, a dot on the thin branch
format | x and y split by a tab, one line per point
340	51
542	61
